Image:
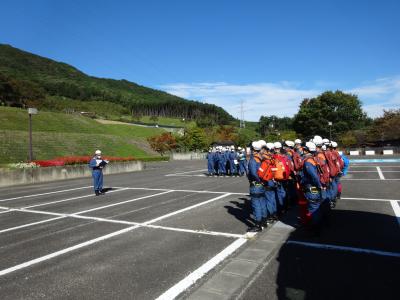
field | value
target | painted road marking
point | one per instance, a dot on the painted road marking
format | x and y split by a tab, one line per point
184	191
29	224
180	173
69	199
189	280
345	248
368	199
42	194
185	209
396	208
380	173
101	238
366	179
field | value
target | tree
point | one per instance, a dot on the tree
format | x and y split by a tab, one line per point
343	110
386	128
162	143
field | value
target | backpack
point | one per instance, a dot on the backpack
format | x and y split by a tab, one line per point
323	168
282	165
340	160
333	164
297	161
267	169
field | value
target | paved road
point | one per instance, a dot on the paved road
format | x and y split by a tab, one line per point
156	230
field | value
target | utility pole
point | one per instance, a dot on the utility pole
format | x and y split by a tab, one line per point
31	111
330	131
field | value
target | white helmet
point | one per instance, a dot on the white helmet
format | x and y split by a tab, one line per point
277	145
263	143
256	145
232	147
289	143
334	144
317	140
239	148
325	141
270	146
297	141
311	146
323	147
97	152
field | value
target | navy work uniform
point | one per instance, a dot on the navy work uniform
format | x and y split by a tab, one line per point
210	163
97	164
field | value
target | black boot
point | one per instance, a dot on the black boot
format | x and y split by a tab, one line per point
97	193
264	222
256	228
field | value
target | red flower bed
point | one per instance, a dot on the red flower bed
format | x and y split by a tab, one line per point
76	160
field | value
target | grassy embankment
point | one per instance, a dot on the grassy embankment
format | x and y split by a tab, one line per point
58	134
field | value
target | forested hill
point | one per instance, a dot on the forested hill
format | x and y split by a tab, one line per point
28	79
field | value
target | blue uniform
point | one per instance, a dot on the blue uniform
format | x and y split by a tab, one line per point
232	157
210	163
221	163
313	190
97	174
242	164
257	192
346	164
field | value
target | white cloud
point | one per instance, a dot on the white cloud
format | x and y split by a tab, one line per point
283	98
280	99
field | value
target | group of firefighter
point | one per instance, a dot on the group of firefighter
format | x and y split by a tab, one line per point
282	175
227	161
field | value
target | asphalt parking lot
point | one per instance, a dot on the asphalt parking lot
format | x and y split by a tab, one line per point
167	231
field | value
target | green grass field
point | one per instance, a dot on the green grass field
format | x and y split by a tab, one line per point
58	134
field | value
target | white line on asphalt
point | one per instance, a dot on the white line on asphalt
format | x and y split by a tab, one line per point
101	238
396	208
383	171
371	166
78	216
189	280
369	199
345	248
366	179
183	191
380	173
42	194
122	202
69	199
185	209
29	225
66	250
173	174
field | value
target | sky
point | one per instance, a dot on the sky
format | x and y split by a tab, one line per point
267	54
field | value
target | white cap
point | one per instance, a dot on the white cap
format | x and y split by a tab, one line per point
256	145
232	147
333	144
277	145
270	146
311	146
325	141
289	143
239	148
297	141
317	140
97	152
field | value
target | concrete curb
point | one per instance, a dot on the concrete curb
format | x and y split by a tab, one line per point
229	282
36	175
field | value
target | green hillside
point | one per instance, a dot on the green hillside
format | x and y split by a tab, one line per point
28	79
58	134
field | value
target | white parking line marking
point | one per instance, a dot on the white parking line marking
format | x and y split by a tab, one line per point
380	173
101	238
366	179
183	191
66	250
180	173
189	280
369	199
396	208
29	225
42	194
185	209
345	248
69	199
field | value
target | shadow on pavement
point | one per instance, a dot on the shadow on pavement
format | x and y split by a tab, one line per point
305	272
241	211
